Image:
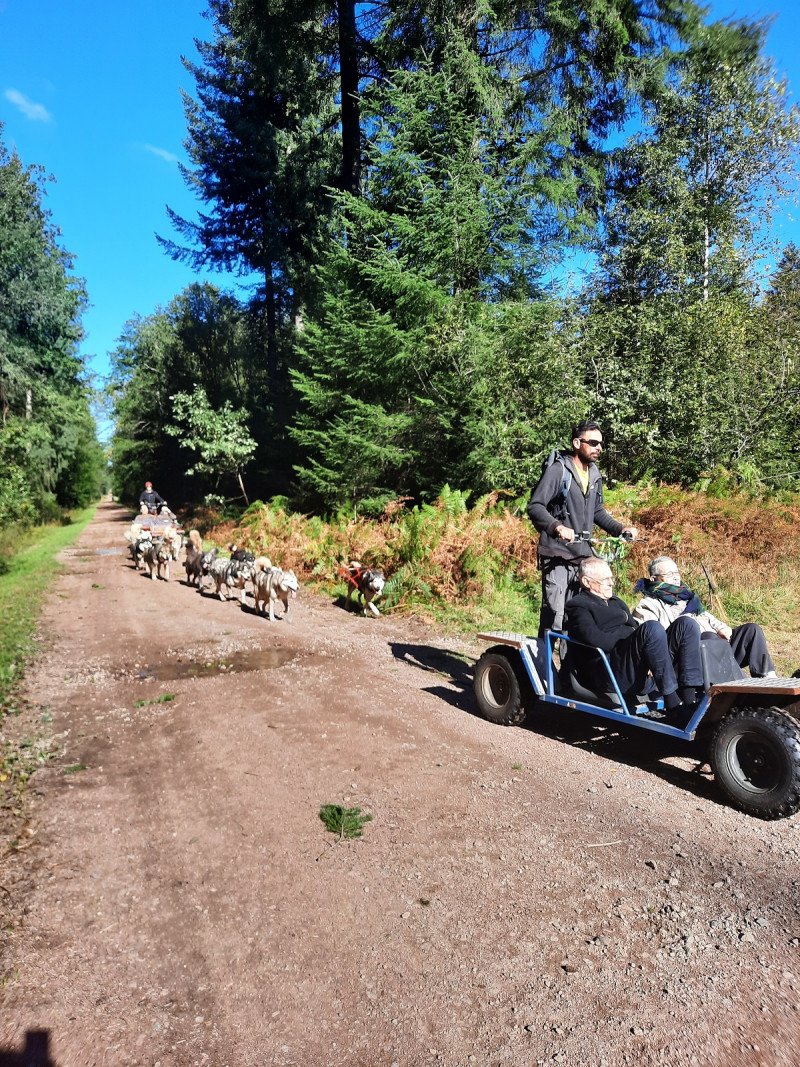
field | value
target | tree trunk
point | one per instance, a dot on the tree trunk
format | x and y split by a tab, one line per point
351	118
241	486
706	234
272	330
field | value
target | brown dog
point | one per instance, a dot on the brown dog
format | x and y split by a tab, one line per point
193	563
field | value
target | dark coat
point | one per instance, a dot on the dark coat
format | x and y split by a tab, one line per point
594	621
150	497
583	513
598	622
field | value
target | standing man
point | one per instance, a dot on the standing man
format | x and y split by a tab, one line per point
567	503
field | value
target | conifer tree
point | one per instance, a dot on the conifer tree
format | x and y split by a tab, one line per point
705	174
392	373
48	447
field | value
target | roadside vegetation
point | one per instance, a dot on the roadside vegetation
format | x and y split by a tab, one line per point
484	224
463	567
28	564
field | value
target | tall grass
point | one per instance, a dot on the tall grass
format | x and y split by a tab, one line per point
28	564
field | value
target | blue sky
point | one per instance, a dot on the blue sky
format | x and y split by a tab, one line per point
91	92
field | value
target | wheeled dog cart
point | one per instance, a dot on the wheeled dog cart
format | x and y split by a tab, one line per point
750	724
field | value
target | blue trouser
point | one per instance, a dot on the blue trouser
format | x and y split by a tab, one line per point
671	656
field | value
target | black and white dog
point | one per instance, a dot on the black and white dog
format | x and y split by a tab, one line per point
230	574
240	554
367	582
139	546
270	585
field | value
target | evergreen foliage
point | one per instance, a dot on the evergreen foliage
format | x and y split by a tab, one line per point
347	823
407	180
49	452
203	339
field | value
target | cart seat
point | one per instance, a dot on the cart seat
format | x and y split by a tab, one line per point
608	699
719	664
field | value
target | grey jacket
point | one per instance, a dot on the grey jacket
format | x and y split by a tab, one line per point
583	513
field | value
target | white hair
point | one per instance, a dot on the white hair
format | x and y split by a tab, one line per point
589	565
659	564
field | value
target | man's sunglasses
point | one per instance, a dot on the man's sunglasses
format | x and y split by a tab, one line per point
591	442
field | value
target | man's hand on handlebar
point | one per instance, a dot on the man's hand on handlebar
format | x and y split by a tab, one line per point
630	533
566	533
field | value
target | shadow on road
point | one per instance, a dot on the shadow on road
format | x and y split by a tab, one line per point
630	746
36	1052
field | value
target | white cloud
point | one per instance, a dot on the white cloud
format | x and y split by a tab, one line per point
35	112
162	153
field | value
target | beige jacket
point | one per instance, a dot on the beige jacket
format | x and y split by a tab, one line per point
650	607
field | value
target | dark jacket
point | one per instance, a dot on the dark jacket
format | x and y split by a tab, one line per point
597	622
150	497
582	513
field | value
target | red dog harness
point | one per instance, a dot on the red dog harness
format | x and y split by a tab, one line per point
351	575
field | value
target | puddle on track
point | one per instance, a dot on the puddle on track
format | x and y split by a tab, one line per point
80	552
262	659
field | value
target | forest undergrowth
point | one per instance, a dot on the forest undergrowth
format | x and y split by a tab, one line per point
463	567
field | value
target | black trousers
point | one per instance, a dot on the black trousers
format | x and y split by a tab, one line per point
749	648
671	656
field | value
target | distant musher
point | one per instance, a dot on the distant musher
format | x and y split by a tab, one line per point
149	499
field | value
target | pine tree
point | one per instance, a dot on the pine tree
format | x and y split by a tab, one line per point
48	446
696	185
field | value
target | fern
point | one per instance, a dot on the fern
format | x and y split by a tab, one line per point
346	822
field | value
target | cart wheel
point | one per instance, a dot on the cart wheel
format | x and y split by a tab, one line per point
755	756
498	689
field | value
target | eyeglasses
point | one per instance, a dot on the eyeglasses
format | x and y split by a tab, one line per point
591	442
669	574
603	581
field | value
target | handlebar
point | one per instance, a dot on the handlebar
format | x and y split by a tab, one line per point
586	536
609	548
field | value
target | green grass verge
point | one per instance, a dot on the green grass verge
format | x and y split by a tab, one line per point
28	576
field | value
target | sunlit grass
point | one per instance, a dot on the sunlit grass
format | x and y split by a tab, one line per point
29	563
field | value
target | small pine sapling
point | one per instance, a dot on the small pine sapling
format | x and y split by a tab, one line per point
346	822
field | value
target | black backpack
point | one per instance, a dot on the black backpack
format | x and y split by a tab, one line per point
559	507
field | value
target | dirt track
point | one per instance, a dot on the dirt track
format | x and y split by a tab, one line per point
522	896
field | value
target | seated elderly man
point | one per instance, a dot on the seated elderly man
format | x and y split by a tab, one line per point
644	658
667	599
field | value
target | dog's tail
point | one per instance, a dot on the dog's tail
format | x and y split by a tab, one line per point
195	540
262	564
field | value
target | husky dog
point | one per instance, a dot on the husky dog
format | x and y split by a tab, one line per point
156	558
240	554
174	539
193	563
271	584
132	536
206	562
139	545
232	574
365	581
